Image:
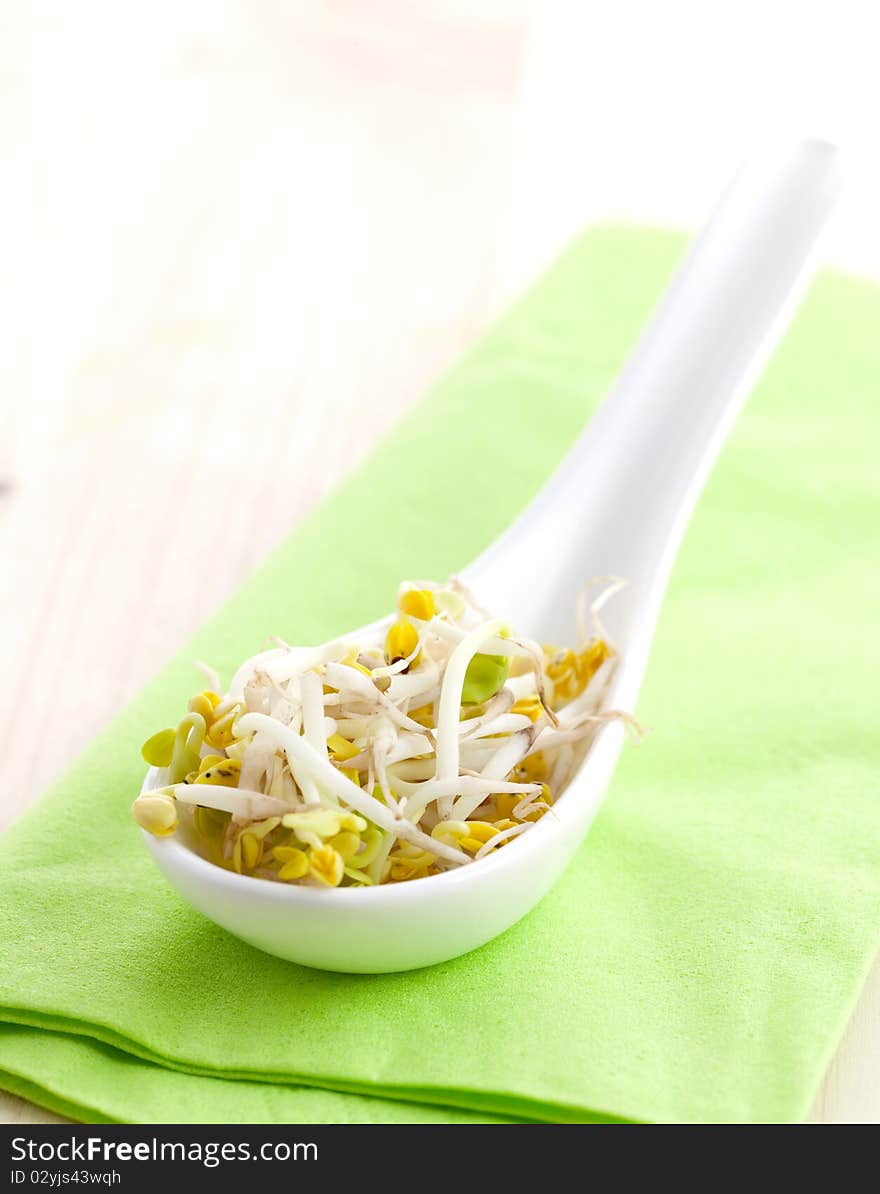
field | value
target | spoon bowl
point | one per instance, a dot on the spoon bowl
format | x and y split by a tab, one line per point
617	505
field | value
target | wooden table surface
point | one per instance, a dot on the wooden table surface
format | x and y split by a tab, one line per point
244	240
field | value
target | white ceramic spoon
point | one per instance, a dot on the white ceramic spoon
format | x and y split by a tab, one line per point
618	505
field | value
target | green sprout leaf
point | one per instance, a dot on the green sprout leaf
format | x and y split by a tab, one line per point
484	677
157	750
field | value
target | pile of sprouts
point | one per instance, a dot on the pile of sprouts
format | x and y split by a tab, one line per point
429	743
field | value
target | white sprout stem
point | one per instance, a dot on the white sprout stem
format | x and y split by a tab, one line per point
399	665
410	746
550	739
349	679
476	752
522	686
468	784
613	586
384	787
284	663
507	723
255	763
312	694
414	684
354	727
498	838
252	806
534	653
446	736
303	758
492	644
471	789
406	746
210	675
376	867
525	806
412	770
384	739
498	706
344	678
590	697
511	752
562	767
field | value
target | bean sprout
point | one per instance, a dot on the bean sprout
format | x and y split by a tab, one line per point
395	755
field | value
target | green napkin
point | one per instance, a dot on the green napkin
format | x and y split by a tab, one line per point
84	1079
700	957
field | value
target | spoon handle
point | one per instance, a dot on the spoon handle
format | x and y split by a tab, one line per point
621	499
671	409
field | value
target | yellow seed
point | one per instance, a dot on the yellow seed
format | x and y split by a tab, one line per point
251	850
424	715
295	863
571	671
400	642
407	850
226	773
533	767
359	877
201	704
341	748
452	831
418	603
505	803
326	865
409	862
346	844
372	840
260	829
591	659
481	830
157	750
562	672
319	823
220	732
209	822
157	813
352	821
529	706
246	852
209	761
352	774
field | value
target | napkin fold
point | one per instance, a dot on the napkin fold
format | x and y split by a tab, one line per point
700	957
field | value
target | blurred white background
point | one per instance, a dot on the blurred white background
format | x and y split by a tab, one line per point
639	110
239	239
